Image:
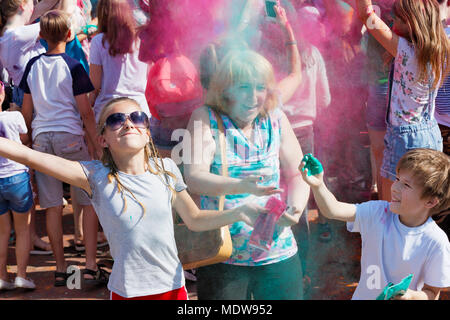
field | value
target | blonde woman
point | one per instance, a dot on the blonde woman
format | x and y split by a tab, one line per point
133	192
260	144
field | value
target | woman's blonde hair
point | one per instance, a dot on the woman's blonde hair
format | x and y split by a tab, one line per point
241	66
428	36
150	151
116	22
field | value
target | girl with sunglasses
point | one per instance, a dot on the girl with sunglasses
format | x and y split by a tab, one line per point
133	192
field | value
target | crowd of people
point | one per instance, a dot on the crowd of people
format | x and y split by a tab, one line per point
127	101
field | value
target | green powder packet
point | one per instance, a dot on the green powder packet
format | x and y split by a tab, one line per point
312	164
392	290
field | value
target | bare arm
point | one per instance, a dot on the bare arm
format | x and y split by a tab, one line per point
27	112
87	115
328	205
95	74
376	26
62	169
290	157
289	84
202	220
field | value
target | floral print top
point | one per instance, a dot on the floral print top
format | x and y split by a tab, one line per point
412	101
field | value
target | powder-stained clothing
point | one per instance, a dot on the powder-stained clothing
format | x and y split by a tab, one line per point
142	243
391	251
251	158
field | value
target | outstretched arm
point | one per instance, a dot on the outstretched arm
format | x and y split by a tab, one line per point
328	205
202	220
62	169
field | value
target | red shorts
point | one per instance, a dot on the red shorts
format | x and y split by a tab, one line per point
177	294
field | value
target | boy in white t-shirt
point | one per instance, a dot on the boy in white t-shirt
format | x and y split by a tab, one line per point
15	196
399	237
56	88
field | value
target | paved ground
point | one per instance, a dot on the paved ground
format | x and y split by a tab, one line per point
333	267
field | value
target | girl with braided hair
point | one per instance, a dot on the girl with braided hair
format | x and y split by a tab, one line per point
133	192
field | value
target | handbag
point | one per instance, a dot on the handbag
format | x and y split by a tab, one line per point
198	249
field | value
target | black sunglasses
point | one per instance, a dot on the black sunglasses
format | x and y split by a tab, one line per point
116	120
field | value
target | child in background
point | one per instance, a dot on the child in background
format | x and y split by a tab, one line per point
58	129
133	191
421	61
399	237
115	70
15	195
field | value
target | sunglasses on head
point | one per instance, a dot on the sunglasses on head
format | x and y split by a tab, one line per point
115	121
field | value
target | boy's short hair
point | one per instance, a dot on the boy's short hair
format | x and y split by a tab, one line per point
431	169
55	25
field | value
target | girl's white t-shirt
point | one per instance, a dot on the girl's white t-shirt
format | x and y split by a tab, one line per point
17	47
123	75
12	125
391	251
142	244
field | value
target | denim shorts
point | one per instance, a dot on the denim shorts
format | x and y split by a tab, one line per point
377	107
399	140
67	146
15	193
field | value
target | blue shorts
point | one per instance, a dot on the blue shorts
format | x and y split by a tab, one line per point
16	193
399	140
377	107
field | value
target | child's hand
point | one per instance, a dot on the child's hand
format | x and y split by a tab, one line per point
249	212
313	181
407	296
250	185
281	15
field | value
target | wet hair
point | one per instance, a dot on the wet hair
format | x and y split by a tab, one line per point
431	170
150	152
428	36
55	26
116	22
241	66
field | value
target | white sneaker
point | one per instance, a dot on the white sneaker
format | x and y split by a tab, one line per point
24	283
6	285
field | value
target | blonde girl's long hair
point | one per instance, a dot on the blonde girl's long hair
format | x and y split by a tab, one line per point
116	22
150	152
428	36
